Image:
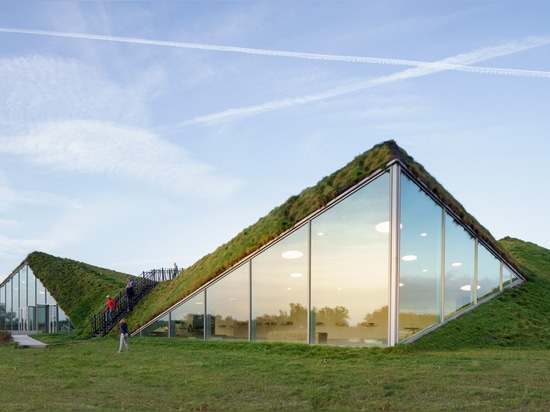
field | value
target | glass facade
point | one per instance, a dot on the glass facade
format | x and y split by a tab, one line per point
26	306
280	290
228	305
349	268
329	280
421	229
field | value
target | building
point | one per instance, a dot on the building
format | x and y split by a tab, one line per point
388	258
26	306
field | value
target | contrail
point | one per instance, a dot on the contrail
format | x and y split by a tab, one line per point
466	58
533	41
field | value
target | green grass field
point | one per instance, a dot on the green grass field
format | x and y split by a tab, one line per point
181	375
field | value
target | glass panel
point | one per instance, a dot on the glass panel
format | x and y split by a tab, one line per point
49	299
41	293
9	307
187	320
349	269
31	285
64	322
420	267
42	316
32	317
3	307
459	267
23	290
15	301
279	290
488	276
53	319
513	275
159	328
229	305
506	275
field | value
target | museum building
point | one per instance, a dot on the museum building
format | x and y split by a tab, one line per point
386	261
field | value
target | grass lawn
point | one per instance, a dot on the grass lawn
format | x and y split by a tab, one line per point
182	375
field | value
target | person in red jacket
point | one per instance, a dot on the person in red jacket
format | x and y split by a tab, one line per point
111	305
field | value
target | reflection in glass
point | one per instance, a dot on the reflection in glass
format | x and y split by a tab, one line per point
506	275
42	316
420	267
349	269
3	308
40	293
32	288
488	272
228	305
187	320
64	322
158	328
459	267
15	301
23	290
9	307
279	290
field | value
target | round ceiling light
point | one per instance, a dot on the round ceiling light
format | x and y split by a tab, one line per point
292	254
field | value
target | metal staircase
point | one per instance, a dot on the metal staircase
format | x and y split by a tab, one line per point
101	325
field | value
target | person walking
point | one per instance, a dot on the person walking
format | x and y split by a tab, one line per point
123	335
130	294
111	305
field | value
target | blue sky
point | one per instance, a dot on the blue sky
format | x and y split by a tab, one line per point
136	134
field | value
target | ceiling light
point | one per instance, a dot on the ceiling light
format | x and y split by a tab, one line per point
383	227
296	275
409	258
468	288
292	254
456	264
424	234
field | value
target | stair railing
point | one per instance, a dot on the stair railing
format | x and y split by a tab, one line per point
101	322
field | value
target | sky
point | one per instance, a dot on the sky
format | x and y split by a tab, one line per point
136	134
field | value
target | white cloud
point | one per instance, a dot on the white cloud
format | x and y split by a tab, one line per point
40	88
64	115
10	198
458	62
95	147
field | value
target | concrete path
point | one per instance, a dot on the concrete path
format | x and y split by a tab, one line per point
25	341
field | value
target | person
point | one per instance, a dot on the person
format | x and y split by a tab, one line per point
175	270
111	305
130	293
123	335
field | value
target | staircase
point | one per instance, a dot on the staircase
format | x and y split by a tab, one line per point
101	325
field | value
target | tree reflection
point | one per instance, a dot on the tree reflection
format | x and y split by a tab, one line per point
339	316
6	318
